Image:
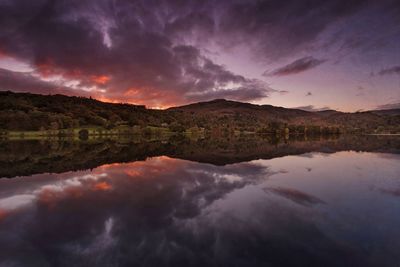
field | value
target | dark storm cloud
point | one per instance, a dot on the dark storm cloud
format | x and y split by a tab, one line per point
152	51
297	66
175	216
391	70
125	42
282	28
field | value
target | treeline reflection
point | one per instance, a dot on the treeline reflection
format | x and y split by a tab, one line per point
22	158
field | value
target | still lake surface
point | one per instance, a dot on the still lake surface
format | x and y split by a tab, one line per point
208	202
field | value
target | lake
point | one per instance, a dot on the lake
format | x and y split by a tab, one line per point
233	201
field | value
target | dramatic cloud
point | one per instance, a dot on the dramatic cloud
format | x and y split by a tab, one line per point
392	70
274	22
190	212
26	82
155	52
297	66
118	52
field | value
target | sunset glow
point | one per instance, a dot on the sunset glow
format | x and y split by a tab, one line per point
342	56
199	133
100	79
102	186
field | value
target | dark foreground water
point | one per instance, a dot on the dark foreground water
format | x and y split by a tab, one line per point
229	202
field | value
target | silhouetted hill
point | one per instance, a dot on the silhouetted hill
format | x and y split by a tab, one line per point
388	120
387	112
25	111
246	112
228	106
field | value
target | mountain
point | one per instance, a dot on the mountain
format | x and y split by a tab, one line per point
228	108
387	112
250	114
32	112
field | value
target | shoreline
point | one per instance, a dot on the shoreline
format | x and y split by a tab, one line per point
397	134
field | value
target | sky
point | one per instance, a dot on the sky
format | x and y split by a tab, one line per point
314	55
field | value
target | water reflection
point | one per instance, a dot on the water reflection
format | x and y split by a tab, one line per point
313	205
22	158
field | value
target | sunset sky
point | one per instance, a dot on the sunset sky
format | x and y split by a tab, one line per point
334	54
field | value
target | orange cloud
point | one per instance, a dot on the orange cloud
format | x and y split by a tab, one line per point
48	197
46	68
102	186
143	169
109	100
132	92
3	214
150	97
136	97
100	79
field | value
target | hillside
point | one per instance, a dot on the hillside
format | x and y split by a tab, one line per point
32	112
248	116
25	111
222	106
387	112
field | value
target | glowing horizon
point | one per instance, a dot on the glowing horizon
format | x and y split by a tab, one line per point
326	55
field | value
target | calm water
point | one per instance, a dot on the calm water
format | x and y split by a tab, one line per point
230	202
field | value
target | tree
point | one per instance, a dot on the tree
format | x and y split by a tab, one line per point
176	127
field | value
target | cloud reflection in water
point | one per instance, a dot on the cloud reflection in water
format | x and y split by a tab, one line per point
166	211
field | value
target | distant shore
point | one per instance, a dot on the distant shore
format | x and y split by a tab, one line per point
94	132
388	134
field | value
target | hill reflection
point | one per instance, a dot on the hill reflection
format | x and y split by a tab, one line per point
21	158
208	202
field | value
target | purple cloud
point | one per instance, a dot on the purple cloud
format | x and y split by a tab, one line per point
297	66
388	71
153	52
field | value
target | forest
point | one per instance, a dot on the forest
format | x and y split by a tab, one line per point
68	115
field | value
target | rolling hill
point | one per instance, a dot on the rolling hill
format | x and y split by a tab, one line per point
237	112
32	112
